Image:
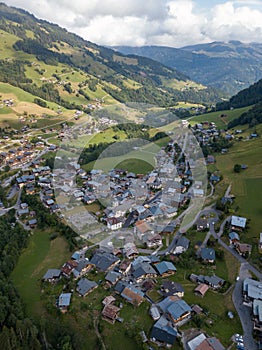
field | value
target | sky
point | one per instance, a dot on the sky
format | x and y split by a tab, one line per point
174	23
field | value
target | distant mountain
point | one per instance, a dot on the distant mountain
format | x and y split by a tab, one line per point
229	67
55	65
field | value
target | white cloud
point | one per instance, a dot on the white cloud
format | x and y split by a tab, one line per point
153	22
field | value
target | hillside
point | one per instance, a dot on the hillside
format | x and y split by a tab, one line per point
230	66
60	67
246	97
251	96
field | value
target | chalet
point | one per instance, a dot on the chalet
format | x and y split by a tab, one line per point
202	224
178	311
243	249
169	288
165	268
108	300
125	266
64	301
169	229
113	223
154	313
252	289
233	237
238	223
68	268
163	333
104	261
142	227
143	270
52	275
110	313
182	245
210	344
112	277
154	241
32	223
201	289
30	189
83	266
85	286
208	255
21	212
257	315
196	341
214	281
78	255
133	295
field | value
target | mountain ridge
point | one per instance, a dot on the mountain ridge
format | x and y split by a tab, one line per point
230	66
30	40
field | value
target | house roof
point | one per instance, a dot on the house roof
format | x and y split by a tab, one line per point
193	343
183	242
243	247
64	299
120	286
164	267
178	308
85	285
257	309
202	288
253	288
208	254
143	269
143	226
52	273
233	235
238	221
132	294
110	311
165	303
171	288
108	300
103	260
210	344
163	332
112	276
213	280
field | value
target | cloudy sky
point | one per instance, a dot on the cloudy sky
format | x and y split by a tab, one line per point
173	23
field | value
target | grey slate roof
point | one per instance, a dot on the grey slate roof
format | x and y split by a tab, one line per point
85	285
163	332
208	254
52	273
112	276
103	260
64	299
178	308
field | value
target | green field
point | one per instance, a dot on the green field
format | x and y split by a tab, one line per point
40	255
246	185
215	117
136	166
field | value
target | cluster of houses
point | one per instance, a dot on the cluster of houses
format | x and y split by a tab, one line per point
238	224
18	156
137	200
129	280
